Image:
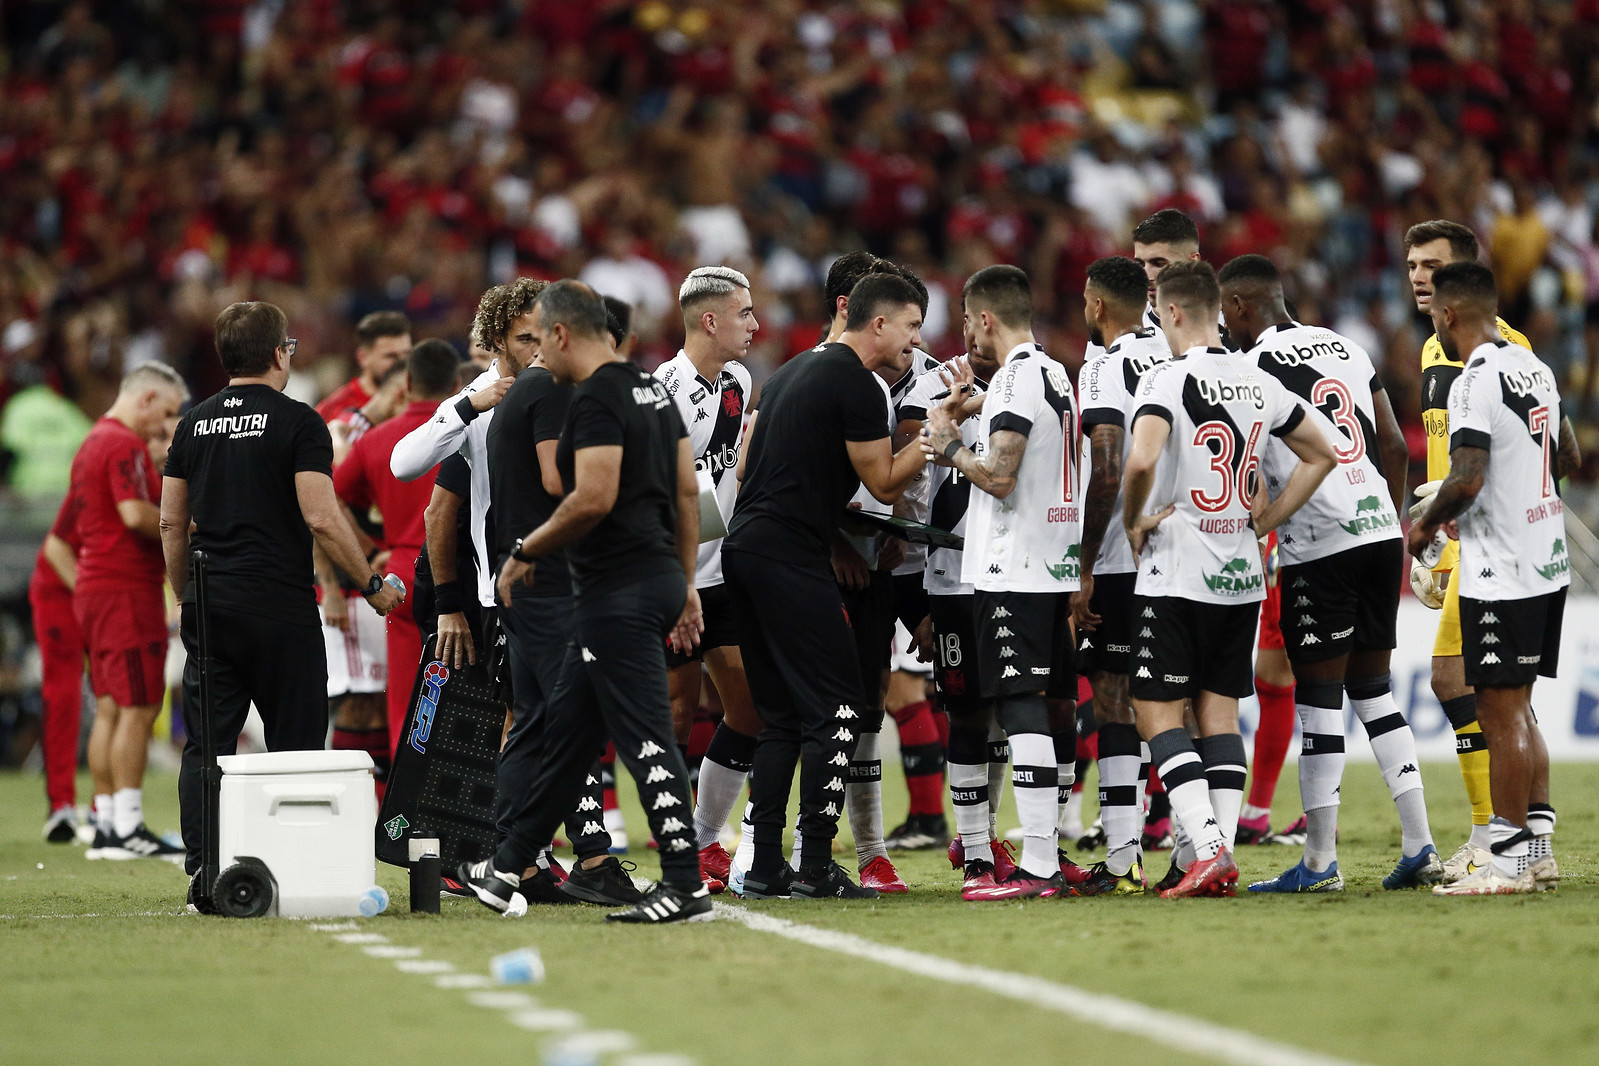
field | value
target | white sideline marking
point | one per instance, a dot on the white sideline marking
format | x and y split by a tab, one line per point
392	951
502	1000
423	966
361	938
55	917
463	980
545	1021
1179	1031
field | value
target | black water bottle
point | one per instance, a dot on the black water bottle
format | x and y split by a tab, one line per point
425	885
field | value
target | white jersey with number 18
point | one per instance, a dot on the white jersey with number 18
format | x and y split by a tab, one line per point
1513	536
1334	377
1028	542
1220	407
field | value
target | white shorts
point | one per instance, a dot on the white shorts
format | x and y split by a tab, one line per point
906	661
358	660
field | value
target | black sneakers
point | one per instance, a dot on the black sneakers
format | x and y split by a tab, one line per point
770	886
1173	876
141	844
608	883
919	832
495	889
826	882
542	887
667	904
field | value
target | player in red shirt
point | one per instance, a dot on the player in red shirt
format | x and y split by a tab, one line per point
364	480
117	597
55	627
382	339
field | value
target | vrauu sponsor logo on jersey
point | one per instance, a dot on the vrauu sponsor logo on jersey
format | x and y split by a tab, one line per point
1234	579
1369	516
1558	563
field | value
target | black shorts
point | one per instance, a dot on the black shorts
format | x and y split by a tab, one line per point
721	631
1341	603
910	600
1024	644
1183	647
1106	647
871	619
1510	643
958	679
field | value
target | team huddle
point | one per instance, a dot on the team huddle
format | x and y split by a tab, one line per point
613	540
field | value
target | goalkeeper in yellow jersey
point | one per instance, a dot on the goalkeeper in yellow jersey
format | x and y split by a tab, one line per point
1428	246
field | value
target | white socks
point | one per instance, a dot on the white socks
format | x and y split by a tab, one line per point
1394	745
968	790
863	798
104	820
1183	773
127	810
1034	778
1321	772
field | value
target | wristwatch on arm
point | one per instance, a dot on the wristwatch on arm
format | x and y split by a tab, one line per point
516	552
373	586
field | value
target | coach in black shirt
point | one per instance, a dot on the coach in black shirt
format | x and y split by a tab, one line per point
253	469
820	432
524	489
630	525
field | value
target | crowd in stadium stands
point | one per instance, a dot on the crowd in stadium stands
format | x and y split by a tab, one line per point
160	160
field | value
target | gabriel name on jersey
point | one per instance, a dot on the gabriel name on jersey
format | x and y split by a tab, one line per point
1028	542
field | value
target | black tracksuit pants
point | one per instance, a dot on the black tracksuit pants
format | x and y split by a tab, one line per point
799	655
282	668
537	630
613	683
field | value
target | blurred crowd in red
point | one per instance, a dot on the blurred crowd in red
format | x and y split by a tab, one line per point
159	160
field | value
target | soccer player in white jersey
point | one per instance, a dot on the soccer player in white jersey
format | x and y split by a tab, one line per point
711	388
1190	493
1341	560
1509	447
975	776
1021	554
1114	305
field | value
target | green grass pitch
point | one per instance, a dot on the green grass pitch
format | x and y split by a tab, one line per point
99	965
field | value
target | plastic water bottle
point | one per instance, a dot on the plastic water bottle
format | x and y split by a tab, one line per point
374	901
523	966
396	584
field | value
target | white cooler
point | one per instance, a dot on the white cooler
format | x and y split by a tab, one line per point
310	817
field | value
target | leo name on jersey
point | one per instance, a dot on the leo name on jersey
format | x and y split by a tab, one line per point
1513	536
713	413
1028	542
1334	377
1220	406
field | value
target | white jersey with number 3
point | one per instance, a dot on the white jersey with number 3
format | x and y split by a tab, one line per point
1513	536
1220	407
1334	377
1028	542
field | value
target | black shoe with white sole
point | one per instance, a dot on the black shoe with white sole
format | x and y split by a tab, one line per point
62	826
608	884
494	889
828	882
141	844
775	886
542	887
667	904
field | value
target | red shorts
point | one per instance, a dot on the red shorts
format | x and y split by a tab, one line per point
1271	634
125	631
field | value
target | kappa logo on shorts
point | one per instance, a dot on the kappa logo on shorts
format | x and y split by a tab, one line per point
844	735
1489	660
1489	638
590	657
591	780
1003	632
678	845
1306	620
831	810
1310	638
1146	634
588	803
1490	619
1143	671
665	799
673	825
650	749
1087	643
1176	679
1303	601
1344	634
1144	653
1300	583
844	711
999	612
1010	671
1042	671
839	760
1529	660
427	703
1007	652
592	828
657	774
1149	612
834	784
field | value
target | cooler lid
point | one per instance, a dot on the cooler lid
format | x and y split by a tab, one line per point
295	762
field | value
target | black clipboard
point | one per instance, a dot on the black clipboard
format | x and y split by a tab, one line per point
866	524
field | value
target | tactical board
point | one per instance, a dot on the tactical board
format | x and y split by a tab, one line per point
442	781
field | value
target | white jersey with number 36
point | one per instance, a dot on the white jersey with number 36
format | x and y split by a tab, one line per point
1028	542
1513	536
1334	377
1221	408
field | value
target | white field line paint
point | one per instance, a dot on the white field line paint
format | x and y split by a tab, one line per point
64	917
502	1000
1179	1031
463	980
423	966
392	951
546	1021
361	938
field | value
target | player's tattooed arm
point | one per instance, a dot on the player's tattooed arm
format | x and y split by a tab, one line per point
1104	482
1468	467
1570	456
995	472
